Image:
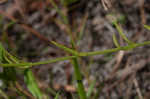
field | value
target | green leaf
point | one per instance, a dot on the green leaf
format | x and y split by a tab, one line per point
3	94
90	90
120	31
57	96
1	53
32	84
69	50
147	27
115	41
8	74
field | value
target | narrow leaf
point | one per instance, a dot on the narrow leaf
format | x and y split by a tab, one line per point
69	50
1	53
57	96
3	94
90	90
147	27
82	28
120	31
115	41
32	84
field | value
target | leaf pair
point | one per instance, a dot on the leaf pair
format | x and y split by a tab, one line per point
120	31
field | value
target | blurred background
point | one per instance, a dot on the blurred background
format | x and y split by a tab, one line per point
28	26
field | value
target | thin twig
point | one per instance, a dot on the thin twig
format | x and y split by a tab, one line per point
26	27
137	88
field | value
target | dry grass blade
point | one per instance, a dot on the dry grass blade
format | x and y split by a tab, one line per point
137	88
119	58
19	87
106	4
123	74
132	69
26	27
142	11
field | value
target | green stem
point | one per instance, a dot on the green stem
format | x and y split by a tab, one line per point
128	47
81	54
80	86
29	64
77	72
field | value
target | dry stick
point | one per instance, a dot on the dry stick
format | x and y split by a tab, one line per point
37	34
142	12
129	88
136	84
134	81
123	74
78	54
26	27
116	67
64	28
143	21
129	70
137	88
106	4
115	84
23	91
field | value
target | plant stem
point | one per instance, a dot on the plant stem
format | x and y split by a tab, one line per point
128	47
29	64
80	86
80	54
77	72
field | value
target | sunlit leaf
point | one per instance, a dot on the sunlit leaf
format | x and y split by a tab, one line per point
57	96
147	27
